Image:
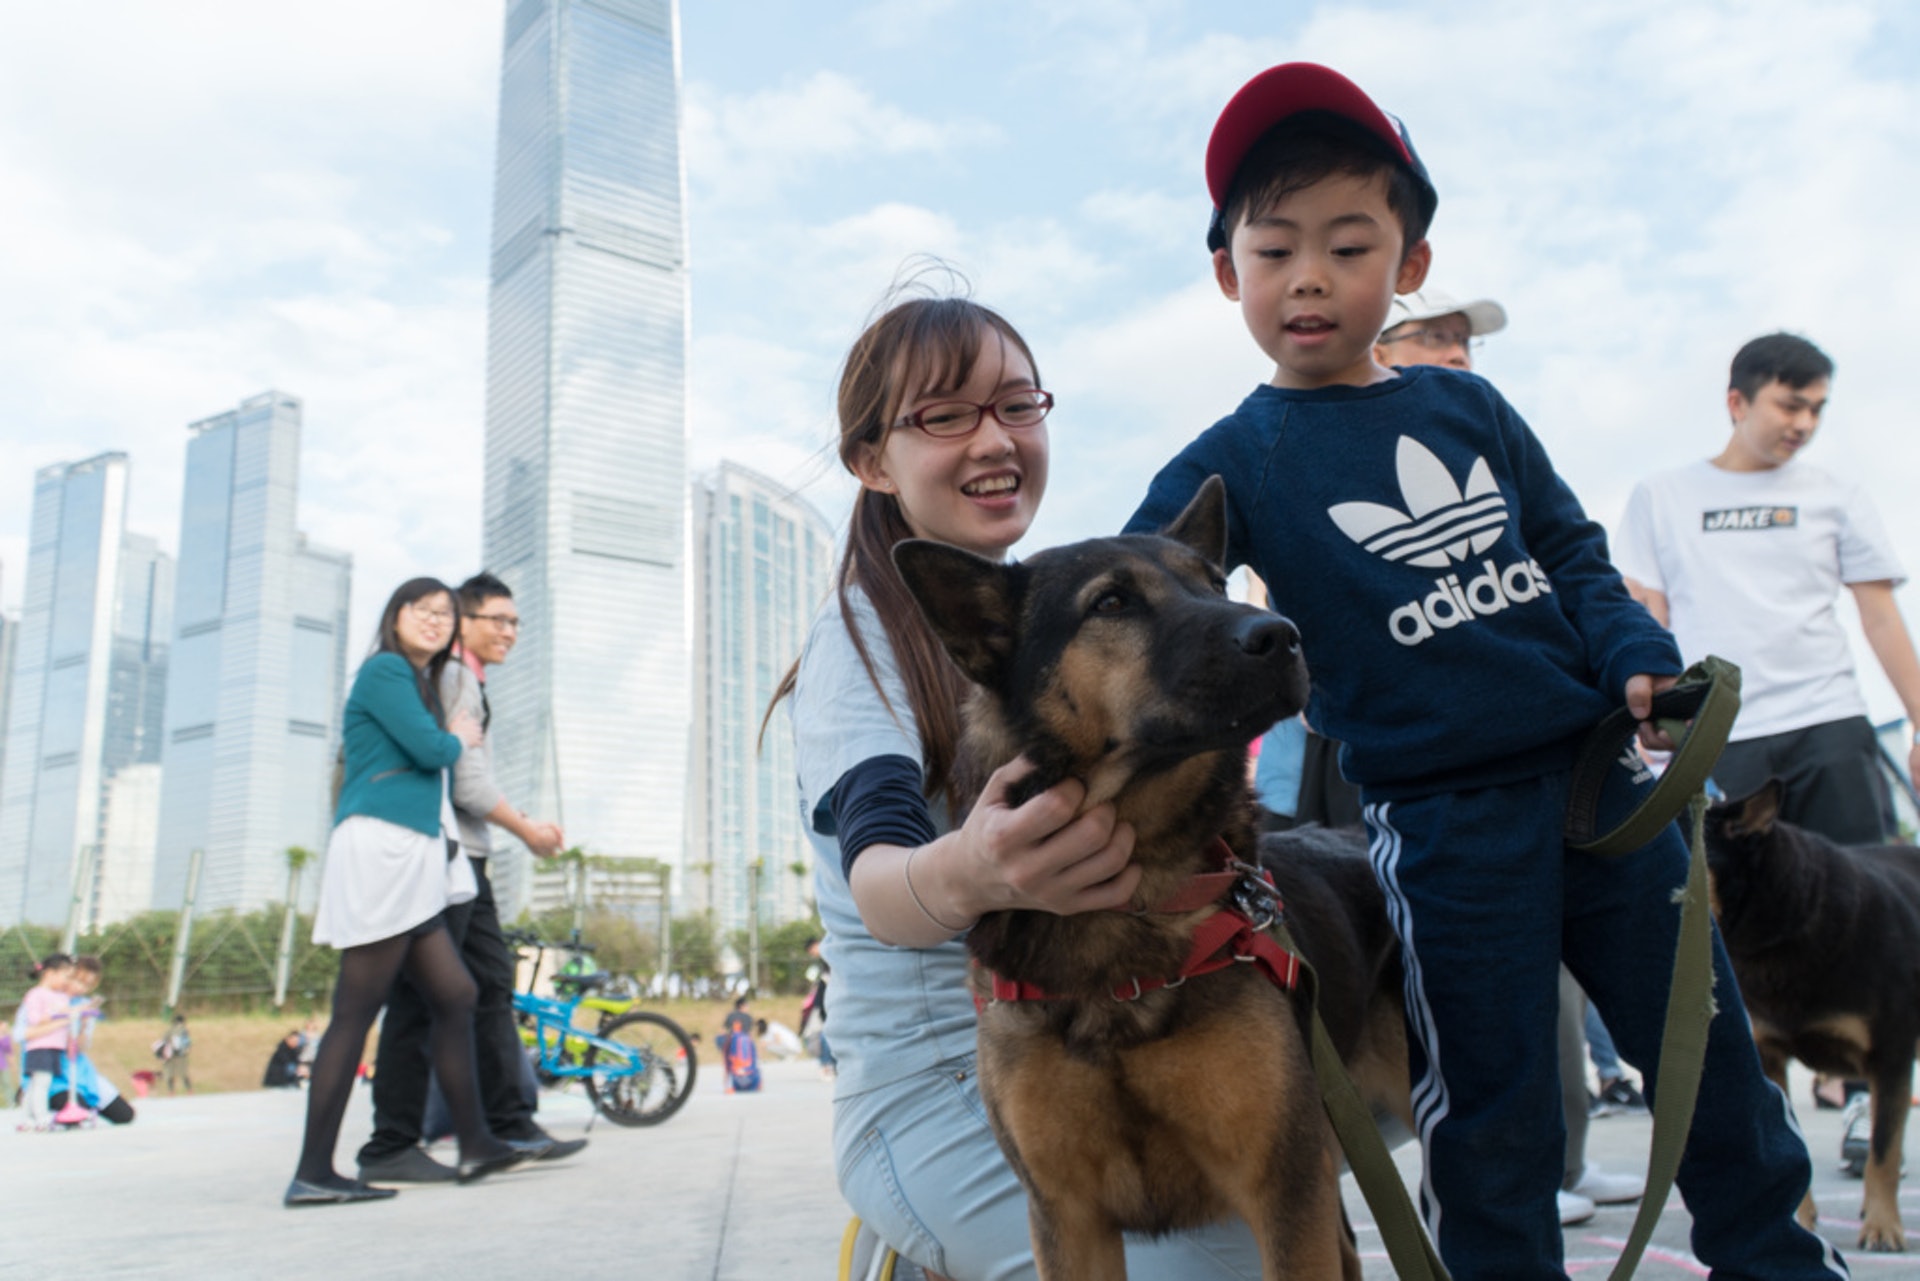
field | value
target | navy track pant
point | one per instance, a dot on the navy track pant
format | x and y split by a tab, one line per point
1486	900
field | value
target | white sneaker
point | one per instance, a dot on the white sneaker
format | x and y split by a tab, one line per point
1601	1188
1856	1135
1574	1208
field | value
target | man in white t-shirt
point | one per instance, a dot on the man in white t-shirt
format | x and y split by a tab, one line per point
1744	556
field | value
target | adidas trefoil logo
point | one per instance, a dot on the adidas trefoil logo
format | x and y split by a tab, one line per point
1444	523
1635	764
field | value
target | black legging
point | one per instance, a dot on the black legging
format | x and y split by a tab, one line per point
119	1112
432	965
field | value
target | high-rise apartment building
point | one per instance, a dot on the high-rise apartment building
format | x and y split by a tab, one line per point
586	428
90	676
9	633
763	563
257	667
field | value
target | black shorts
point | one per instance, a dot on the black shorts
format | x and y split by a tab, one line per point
40	1061
1833	777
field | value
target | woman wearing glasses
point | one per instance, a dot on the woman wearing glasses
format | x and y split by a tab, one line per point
942	423
389	875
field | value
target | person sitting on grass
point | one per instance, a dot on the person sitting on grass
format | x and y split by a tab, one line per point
283	1068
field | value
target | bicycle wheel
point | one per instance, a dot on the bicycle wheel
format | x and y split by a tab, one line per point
664	1080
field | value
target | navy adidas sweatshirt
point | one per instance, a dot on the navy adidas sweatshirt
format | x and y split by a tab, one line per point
1460	618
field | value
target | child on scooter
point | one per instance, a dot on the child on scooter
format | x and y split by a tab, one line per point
41	1030
79	1080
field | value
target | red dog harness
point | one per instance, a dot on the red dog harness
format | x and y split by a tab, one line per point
1234	934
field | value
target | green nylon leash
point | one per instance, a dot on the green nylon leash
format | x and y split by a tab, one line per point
1708	696
1408	1247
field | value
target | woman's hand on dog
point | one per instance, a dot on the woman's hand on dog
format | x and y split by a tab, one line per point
1042	855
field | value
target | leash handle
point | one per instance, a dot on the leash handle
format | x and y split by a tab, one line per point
1701	705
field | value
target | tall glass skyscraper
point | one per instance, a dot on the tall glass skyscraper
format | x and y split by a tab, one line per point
90	681
763	563
9	633
257	669
586	428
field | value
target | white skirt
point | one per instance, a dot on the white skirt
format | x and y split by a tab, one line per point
381	879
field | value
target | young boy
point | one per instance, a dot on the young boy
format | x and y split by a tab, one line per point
1744	555
1465	632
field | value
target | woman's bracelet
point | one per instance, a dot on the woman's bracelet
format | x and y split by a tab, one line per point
915	896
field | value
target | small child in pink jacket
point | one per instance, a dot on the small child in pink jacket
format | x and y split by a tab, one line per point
41	1029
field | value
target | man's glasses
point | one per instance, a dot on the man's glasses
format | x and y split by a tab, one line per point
1433	339
505	622
952	418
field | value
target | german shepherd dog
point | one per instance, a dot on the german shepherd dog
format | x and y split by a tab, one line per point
1825	940
1128	1098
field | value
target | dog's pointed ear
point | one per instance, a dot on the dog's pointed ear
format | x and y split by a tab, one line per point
1203	525
969	601
1756	814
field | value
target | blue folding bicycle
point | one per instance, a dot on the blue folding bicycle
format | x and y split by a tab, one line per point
638	1066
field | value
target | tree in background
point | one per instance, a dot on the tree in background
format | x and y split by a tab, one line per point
783	954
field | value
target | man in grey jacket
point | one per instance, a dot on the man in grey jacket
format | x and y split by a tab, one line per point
489	626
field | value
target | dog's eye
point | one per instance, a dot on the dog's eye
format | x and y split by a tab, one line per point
1108	602
1219	583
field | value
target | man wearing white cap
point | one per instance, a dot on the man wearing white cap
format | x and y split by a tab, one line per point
1430	328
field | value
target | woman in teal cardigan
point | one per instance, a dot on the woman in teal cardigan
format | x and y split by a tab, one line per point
388	878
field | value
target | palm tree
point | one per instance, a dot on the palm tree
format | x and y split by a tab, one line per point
298	856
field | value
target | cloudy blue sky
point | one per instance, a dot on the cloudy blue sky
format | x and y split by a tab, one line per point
210	197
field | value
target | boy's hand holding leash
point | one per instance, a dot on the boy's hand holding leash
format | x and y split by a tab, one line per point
1640	692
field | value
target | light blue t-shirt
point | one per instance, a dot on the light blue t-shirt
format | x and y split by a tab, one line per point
896	1011
1281	764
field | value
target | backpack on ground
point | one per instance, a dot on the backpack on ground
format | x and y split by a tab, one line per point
743	1063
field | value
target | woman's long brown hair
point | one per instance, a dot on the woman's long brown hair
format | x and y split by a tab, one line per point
918	347
426	679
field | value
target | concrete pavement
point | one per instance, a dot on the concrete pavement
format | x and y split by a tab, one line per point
735	1186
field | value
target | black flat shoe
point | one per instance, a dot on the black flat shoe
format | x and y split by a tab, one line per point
561	1149
411	1165
301	1192
481	1167
555	1149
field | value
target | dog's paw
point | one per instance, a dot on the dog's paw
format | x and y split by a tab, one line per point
1882	1235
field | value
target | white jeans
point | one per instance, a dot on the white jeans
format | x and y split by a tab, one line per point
919	1164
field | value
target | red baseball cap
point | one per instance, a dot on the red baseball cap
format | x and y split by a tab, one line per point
1287	90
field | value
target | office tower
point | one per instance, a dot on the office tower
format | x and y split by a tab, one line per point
90	673
9	632
586	435
129	829
257	668
763	563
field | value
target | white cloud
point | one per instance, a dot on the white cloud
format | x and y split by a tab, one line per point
742	149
